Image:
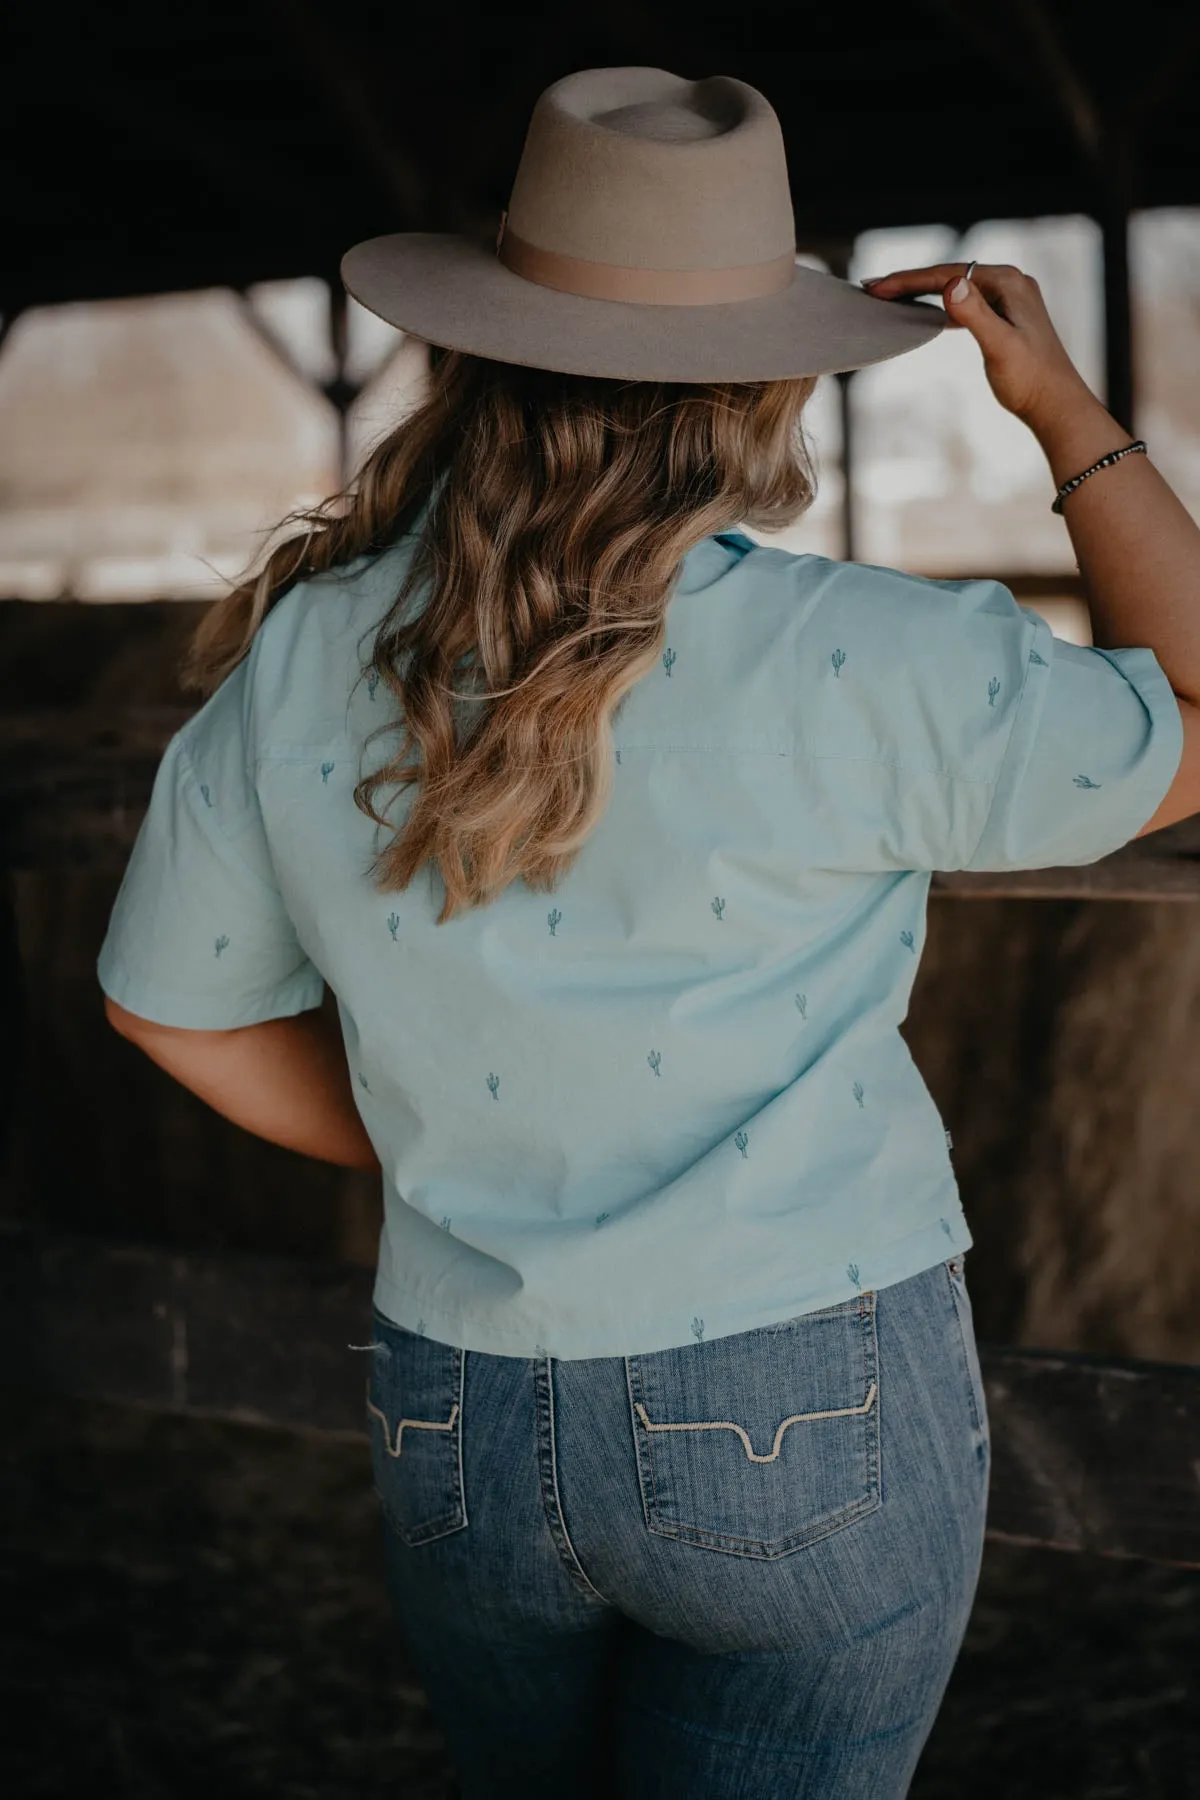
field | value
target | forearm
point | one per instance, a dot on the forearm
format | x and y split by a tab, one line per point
1137	546
285	1080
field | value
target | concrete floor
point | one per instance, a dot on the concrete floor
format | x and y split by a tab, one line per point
195	1609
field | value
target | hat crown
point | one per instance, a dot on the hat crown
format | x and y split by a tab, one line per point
640	168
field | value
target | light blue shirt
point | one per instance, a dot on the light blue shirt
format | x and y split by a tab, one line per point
669	1100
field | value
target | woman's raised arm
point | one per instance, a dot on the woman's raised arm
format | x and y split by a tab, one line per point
1137	546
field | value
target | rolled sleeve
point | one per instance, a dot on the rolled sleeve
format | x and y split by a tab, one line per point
199	936
1095	743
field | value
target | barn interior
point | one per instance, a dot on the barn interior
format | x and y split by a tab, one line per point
193	1574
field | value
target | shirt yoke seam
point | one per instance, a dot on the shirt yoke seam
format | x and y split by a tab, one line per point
293	753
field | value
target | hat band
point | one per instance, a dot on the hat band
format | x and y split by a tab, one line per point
644	287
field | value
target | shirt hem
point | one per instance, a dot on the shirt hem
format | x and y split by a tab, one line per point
902	1260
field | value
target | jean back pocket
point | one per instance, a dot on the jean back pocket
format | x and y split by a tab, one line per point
414	1413
762	1442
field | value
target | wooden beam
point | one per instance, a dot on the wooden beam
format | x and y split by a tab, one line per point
1158	88
1059	77
977	27
74	785
340	73
1088	1453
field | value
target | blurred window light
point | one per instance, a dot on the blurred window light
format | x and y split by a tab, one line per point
370	343
944	481
1164	255
296	315
397	386
147	446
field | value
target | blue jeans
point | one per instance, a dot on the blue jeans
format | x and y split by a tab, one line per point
736	1570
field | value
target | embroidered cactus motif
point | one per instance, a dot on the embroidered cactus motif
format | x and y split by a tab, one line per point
372	682
539	1350
444	1221
718	907
906	938
802	1005
618	759
393	924
326	771
553	920
742	1142
205	792
852	1272
993	690
600	1218
857	1091
222	943
363	1082
698	1330
668	660
655	1061
1034	657
945	1225
838	660
1085	781
420	1328
493	1082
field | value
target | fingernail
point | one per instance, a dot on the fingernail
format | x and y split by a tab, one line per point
872	280
961	289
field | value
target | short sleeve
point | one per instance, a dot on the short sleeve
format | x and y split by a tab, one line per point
1095	743
199	936
959	733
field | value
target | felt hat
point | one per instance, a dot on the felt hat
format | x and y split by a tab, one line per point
650	236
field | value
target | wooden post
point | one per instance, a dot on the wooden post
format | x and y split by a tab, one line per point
1117	170
340	391
849	510
837	256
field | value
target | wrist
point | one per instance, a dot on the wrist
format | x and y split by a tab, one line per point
1074	430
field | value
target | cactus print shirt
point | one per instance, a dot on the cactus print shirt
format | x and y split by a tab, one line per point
669	1100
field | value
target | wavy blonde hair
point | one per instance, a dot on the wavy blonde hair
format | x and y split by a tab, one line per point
561	508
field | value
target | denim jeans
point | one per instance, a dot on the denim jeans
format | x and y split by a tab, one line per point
736	1570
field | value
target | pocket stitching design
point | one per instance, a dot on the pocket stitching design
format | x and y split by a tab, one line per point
841	1412
455	1518
416	1424
825	1526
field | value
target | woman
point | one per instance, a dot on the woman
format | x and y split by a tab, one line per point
612	833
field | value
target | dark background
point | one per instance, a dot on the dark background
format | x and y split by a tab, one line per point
159	147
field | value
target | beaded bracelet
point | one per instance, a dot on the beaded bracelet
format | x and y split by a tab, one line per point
1137	448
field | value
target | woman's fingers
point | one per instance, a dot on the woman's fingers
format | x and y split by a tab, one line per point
966	304
1004	311
914	281
1008	291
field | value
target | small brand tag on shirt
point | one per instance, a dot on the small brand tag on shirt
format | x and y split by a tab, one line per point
949	1142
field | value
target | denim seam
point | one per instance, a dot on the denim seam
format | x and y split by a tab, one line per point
688	1728
976	1418
551	1498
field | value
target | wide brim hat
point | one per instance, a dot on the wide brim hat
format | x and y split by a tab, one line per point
650	236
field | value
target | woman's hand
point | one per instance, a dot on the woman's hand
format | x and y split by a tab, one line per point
1029	370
